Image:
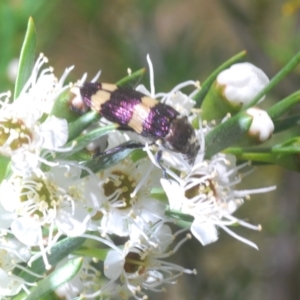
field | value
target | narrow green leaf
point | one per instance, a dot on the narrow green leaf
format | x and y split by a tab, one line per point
80	156
177	215
215	106
138	154
159	194
4	163
286	123
277	78
58	252
100	254
284	105
132	79
205	86
288	161
27	57
226	134
291	145
56	279
83	140
81	123
285	154
287	150
50	296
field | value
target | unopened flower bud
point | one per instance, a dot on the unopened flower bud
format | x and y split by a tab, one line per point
241	83
262	125
233	89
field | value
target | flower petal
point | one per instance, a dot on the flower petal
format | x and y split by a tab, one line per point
205	233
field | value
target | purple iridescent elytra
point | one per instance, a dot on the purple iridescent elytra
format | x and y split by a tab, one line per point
146	116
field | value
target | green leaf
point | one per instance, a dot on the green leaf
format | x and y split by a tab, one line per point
284	105
4	163
205	86
81	123
215	105
100	254
27	57
111	157
285	154
226	134
276	79
83	140
56	279
291	145
58	252
159	194
61	107
286	123
132	79
138	154
179	216
288	161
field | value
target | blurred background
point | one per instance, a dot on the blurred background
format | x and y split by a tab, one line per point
186	39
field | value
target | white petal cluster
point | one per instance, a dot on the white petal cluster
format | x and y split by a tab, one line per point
31	200
12	253
262	125
23	132
141	266
124	197
242	82
208	193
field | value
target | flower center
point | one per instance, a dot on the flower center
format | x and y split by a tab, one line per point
134	263
120	185
14	133
40	196
206	187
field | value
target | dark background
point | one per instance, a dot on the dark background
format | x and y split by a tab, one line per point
187	39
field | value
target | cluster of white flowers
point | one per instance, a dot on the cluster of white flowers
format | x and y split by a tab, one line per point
43	200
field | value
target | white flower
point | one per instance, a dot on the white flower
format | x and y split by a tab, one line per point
124	197
262	125
140	264
180	101
241	83
56	199
41	89
208	194
50	135
12	252
23	133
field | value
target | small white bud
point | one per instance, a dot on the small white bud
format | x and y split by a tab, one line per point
262	125
242	82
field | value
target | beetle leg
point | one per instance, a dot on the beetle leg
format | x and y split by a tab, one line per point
134	145
158	157
126	145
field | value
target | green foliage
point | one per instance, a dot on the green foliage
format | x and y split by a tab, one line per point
26	59
56	279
